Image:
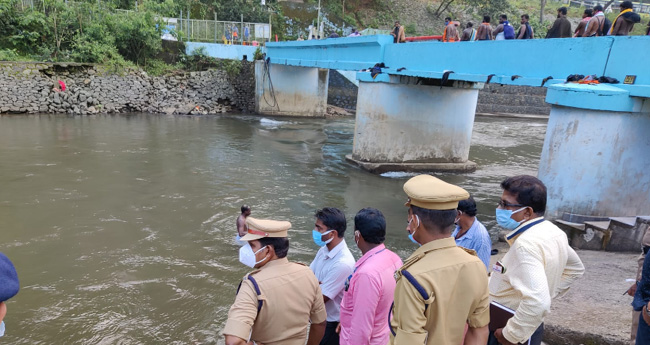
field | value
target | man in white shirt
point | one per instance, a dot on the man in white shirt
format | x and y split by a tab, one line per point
332	265
539	266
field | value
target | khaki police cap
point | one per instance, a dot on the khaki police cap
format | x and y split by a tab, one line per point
260	228
432	193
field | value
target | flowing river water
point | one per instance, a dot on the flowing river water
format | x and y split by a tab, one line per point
122	227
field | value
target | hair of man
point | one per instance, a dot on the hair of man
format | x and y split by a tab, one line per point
529	191
332	218
468	207
436	221
280	245
371	224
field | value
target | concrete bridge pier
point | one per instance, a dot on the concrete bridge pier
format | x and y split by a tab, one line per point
403	125
596	155
290	90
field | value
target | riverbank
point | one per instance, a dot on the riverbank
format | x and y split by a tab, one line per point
29	87
594	311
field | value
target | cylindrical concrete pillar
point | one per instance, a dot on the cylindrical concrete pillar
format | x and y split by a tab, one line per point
596	155
414	127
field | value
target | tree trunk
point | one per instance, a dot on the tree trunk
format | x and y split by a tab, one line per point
607	4
541	11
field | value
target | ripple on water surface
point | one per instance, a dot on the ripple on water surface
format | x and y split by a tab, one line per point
122	228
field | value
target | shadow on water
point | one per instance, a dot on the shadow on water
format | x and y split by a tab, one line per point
121	227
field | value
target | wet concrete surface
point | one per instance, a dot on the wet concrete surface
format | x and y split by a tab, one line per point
594	311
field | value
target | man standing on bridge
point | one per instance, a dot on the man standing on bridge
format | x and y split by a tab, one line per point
398	33
525	30
539	266
624	22
469	34
561	27
451	33
484	32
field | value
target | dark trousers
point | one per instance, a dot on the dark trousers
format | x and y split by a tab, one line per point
643	332
535	339
330	337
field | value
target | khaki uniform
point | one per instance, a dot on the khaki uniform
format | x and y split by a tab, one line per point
291	297
456	284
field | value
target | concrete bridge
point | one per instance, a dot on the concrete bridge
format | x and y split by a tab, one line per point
418	113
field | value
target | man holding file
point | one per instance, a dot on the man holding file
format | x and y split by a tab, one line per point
539	266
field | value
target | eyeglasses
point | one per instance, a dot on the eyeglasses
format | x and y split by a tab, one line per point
504	204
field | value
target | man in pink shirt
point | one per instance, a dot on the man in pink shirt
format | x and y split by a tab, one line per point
369	290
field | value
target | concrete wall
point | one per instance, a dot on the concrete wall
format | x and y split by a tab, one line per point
296	91
413	123
509	99
223	51
341	91
91	89
597	162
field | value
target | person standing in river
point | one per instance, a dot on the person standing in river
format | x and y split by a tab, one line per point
241	223
332	265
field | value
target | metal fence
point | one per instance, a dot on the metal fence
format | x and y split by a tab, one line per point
639	7
197	30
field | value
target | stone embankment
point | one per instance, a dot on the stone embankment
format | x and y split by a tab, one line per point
92	89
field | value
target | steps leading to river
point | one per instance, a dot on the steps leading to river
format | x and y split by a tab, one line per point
616	234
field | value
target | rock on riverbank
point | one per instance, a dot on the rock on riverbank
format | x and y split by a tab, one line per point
92	89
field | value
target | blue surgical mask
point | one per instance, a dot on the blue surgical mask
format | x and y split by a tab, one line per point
416	229
318	237
504	218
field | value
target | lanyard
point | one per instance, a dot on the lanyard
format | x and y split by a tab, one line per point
522	230
347	281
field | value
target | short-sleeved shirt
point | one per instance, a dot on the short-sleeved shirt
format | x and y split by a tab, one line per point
332	268
477	239
457	287
366	303
291	298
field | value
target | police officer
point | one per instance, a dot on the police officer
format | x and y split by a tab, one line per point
276	301
441	287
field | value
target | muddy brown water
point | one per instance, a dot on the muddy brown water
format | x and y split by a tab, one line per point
121	227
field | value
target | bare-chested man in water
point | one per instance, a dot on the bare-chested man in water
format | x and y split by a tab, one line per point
241	221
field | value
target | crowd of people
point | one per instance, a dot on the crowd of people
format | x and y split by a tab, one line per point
593	23
443	293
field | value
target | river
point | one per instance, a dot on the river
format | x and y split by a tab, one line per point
121	227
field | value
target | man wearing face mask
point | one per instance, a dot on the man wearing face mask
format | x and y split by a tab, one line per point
276	301
539	266
369	290
441	288
470	233
332	265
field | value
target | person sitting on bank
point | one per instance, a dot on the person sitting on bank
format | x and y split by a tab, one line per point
276	301
469	34
398	33
624	22
470	233
484	31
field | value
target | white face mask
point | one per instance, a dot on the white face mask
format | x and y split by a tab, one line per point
247	256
